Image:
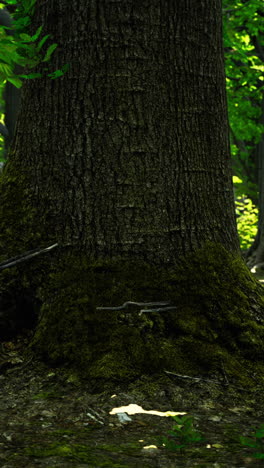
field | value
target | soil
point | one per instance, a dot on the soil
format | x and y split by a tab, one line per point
48	418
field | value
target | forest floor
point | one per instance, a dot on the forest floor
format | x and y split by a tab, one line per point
48	420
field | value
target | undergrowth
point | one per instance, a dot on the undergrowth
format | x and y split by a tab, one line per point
183	434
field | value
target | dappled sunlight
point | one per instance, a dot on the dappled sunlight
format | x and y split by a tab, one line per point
134	409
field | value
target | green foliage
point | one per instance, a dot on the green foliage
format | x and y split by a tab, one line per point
247	215
24	49
243	42
255	441
182	434
246	222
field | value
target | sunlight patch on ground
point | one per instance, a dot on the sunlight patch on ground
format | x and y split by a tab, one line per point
133	409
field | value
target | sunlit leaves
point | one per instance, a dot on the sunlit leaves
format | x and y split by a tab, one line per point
243	23
23	49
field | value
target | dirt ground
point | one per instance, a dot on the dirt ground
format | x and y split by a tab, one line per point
50	419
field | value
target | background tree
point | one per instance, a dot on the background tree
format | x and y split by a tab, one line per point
125	163
243	40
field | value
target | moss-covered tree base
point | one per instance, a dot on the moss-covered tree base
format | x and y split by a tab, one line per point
216	328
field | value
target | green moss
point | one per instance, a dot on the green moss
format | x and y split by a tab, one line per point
211	328
50	395
76	452
217	321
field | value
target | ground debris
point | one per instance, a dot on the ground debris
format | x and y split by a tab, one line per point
49	420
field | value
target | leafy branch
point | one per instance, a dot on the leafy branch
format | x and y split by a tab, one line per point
24	49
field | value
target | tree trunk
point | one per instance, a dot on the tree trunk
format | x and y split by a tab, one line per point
255	254
130	153
125	163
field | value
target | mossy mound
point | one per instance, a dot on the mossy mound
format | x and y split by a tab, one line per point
216	328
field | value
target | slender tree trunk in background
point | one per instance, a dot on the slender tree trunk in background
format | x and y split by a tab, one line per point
255	255
125	163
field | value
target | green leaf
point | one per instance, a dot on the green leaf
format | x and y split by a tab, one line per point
49	52
37	34
42	42
15	81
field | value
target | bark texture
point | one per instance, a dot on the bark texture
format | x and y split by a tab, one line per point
128	153
125	163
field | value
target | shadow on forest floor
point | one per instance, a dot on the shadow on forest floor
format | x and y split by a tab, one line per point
49	420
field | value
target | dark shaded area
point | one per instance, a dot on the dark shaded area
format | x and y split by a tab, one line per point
19	307
18	313
12	97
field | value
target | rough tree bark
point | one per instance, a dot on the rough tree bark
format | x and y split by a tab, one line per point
125	163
